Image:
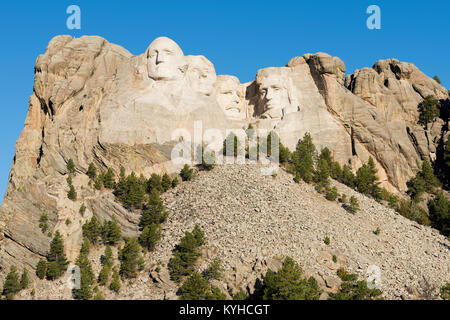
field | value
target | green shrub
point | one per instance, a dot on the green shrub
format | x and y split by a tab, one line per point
429	109
70	166
331	193
215	270
352	289
288	284
327	240
131	260
354	205
186	173
92	171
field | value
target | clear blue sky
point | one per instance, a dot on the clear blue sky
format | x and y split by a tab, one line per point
239	37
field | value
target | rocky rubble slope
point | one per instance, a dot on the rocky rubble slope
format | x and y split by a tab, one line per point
253	221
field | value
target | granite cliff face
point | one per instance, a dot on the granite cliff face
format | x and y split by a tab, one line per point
93	101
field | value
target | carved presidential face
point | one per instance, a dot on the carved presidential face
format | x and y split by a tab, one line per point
273	96
165	60
229	96
201	74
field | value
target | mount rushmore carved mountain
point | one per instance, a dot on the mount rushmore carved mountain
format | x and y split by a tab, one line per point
94	102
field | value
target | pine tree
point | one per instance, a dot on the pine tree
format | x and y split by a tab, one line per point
120	191
166	182
11	286
108	180
175	182
439	209
352	289
92	171
86	246
303	158
107	259
130	258
71	166
150	236
113	234
72	194
195	288
199	235
423	181
215	270
436	78
103	277
354	205
348	178
429	109
288	284
41	269
186	173
367	180
232	146
98	184
322	173
155	183
92	230
86	279
135	192
57	258
154	211
115	283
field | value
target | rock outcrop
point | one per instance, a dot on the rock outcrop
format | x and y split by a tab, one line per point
93	101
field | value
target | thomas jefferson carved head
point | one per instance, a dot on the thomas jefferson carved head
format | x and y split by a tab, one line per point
165	60
229	96
201	74
275	96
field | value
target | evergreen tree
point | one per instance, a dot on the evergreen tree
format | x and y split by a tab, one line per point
86	279
11	286
424	182
303	158
86	246
186	173
348	178
166	182
288	284
331	193
436	78
41	269
71	166
367	180
335	170
135	192
354	205
115	283
120	191
92	230
240	295
103	277
130	258
199	235
195	288
439	209
185	255
72	194
92	171
429	109
154	211
150	236
232	145
215	270
24	279
57	258
352	289
98	184
108	180
155	183
107	258
111	233
175	182
322	173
